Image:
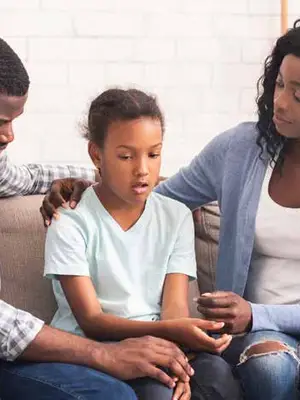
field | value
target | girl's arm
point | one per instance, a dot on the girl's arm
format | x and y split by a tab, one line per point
175	297
81	296
96	324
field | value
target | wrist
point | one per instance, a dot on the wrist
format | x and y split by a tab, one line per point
100	356
162	329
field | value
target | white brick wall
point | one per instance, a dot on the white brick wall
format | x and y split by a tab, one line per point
201	57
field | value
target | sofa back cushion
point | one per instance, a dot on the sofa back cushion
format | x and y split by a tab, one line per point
207	229
22	236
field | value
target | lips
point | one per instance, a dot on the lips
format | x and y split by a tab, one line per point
280	120
140	187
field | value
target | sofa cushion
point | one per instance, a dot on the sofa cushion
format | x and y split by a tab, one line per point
207	227
22	236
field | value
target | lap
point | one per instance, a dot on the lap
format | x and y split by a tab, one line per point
149	389
213	379
59	381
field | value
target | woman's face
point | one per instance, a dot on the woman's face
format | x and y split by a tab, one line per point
286	115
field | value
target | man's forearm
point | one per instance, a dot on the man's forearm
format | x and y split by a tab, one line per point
36	178
53	345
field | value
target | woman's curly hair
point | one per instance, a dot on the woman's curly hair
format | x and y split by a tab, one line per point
268	137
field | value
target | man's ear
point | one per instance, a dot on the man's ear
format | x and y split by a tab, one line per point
95	154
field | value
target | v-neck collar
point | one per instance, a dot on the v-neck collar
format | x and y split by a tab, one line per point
104	214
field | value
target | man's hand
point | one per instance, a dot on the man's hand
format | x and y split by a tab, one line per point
182	391
145	356
191	332
61	192
227	307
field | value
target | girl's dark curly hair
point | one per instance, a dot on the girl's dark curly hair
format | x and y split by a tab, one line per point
268	137
119	105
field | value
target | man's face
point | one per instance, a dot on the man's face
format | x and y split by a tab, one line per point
10	108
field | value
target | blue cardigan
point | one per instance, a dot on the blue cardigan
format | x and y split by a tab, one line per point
231	171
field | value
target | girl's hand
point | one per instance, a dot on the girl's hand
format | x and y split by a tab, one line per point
190	332
182	391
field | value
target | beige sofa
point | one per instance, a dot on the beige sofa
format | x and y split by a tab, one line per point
22	247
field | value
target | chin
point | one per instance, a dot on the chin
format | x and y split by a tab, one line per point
287	133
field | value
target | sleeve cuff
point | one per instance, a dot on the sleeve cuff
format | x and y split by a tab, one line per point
261	319
23	333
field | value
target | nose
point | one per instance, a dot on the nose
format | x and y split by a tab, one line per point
6	133
142	168
281	100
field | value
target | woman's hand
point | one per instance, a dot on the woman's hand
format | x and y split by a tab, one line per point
228	307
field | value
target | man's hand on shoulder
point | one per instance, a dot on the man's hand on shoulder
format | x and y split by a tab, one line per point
61	192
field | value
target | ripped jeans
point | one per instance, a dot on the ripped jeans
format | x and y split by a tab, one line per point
266	364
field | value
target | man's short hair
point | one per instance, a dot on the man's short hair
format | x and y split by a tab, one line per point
14	79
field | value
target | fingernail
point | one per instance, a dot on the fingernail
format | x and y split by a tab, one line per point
73	204
64	205
56	216
220	323
206	294
192	371
47	222
195	299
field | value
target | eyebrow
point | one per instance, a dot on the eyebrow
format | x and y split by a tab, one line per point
295	83
133	148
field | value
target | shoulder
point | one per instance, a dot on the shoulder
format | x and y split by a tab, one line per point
169	208
79	218
241	135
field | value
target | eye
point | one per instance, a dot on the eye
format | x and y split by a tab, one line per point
154	155
125	157
297	96
279	83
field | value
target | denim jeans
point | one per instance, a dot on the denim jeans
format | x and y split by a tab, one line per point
48	381
268	376
213	380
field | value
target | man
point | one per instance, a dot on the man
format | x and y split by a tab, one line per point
39	362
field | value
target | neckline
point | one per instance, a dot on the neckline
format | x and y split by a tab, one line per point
104	214
267	179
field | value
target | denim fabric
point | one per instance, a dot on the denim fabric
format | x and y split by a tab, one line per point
267	376
43	381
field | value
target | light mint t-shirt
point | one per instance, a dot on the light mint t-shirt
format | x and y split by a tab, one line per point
127	268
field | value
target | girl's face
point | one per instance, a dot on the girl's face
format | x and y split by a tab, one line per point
130	159
287	98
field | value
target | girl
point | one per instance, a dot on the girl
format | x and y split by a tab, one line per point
123	258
